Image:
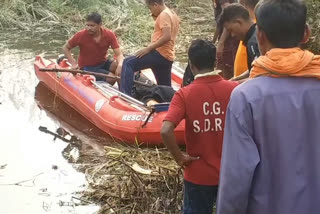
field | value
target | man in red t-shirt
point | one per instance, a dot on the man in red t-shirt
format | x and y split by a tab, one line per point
94	42
203	105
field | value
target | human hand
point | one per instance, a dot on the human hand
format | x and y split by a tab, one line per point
220	47
185	160
74	66
118	70
142	52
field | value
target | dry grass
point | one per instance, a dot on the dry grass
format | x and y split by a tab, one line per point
133	180
314	21
197	21
130	20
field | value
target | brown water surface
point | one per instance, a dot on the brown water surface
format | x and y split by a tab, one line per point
34	176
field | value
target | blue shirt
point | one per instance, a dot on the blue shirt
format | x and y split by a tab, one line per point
271	149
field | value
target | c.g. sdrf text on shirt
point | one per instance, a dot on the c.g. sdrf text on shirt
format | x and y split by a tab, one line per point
213	117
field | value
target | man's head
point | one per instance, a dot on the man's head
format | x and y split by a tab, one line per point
202	55
236	19
155	6
93	23
281	24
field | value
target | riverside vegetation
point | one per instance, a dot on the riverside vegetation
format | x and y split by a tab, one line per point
127	179
130	19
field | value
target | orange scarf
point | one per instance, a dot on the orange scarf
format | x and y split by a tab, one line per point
292	62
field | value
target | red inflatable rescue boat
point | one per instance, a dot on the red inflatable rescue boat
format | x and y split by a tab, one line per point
117	114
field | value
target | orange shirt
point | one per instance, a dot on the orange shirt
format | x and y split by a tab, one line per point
241	60
167	18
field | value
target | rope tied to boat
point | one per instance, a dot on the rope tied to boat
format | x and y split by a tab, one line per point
156	108
153	110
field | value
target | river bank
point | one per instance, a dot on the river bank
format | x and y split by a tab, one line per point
143	179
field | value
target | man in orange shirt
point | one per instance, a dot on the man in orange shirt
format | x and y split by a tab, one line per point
236	19
240	63
159	55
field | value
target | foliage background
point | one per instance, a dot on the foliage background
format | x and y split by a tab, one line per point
130	19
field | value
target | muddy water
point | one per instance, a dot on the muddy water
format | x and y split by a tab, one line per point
34	176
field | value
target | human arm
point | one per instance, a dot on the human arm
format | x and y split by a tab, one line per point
119	57
244	75
221	41
165	26
174	116
240	158
215	36
71	43
252	53
169	140
225	33
220	49
67	52
166	36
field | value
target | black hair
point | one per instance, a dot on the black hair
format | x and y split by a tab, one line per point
232	12
251	3
94	17
202	54
148	2
282	21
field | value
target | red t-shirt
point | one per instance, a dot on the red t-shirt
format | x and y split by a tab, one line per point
93	53
203	105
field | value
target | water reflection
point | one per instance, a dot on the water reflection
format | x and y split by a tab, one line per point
60	111
34	177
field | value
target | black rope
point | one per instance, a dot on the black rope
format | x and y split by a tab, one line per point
151	113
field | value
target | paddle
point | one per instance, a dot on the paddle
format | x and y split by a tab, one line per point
73	71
